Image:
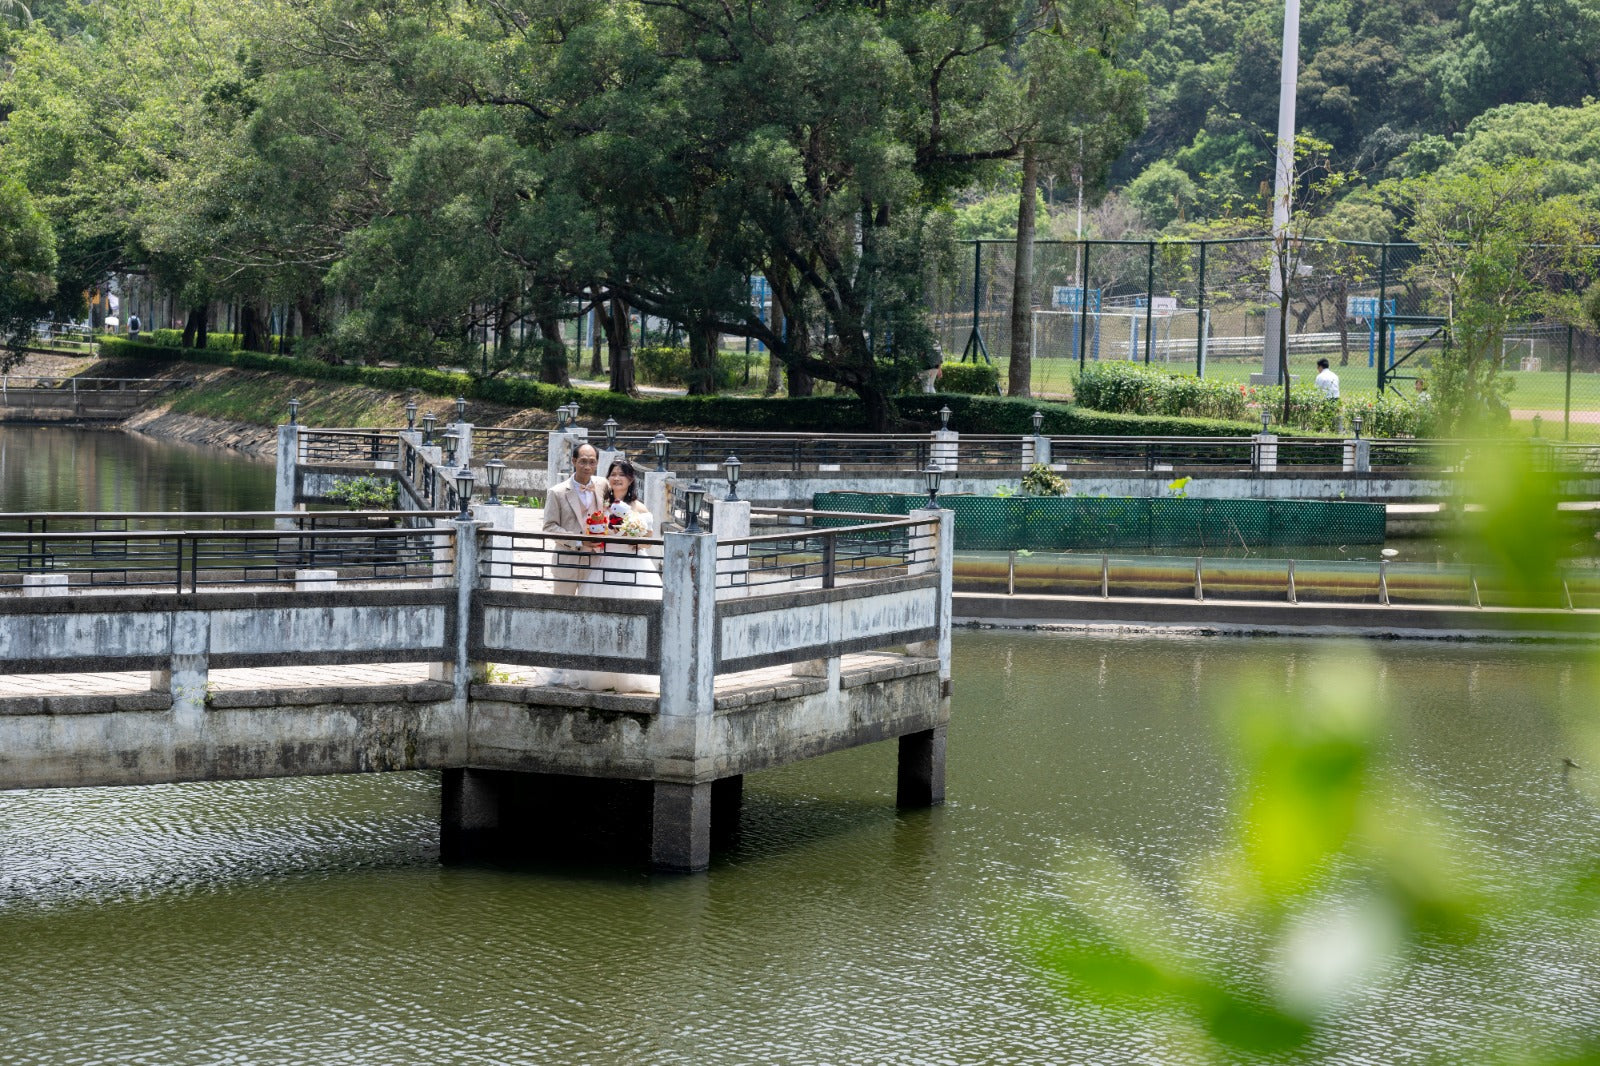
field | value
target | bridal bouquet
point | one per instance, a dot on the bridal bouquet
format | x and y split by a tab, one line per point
634	524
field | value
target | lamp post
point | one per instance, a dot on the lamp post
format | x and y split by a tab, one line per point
658	447
464	480
495	469
572	409
561	417
294	412
1266	417
428	421
1038	422
451	442
411	414
730	470
944	417
933	476
1357	423
693	496
461	409
611	434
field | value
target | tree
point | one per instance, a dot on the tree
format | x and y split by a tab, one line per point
1495	250
27	269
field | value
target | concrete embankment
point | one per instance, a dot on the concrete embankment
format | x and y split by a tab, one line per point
1266	618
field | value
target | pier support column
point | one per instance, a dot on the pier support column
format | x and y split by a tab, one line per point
680	827
727	800
920	782
287	461
680	831
469	813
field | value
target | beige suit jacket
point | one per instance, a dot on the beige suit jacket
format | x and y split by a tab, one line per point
564	513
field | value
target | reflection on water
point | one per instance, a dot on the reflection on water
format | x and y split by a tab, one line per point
49	468
308	920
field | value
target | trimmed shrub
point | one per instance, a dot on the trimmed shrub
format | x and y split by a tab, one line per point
669	367
173	338
974	379
1136	389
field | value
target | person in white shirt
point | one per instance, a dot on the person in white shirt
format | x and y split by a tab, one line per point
1327	381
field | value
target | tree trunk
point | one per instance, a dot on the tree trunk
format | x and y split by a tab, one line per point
256	331
194	327
601	317
1020	376
552	353
1283	348
619	345
702	358
775	364
1342	295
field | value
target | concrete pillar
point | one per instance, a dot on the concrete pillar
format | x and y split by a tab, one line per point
558	460
315	580
497	560
1266	452
680	831
288	460
1358	456
463	432
680	827
469	813
188	674
946	448
466	582
1036	450
730	520
44	585
920	780
655	489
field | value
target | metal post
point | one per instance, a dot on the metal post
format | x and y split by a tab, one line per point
1083	310
1149	297
1383	317
1011	574
1566	414
1199	589
1477	600
1383	582
1105	577
1292	597
1200	319
830	550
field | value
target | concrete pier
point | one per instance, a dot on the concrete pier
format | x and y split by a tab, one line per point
755	668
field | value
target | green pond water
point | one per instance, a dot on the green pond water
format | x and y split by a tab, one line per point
309	920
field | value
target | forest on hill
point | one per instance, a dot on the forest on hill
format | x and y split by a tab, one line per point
416	180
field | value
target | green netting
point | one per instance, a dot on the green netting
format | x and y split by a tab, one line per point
1053	523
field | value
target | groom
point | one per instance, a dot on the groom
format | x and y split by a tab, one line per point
565	509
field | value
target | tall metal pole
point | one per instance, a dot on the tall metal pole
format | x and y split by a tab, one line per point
1149	299
1083	306
1566	411
1282	189
1200	320
1383	318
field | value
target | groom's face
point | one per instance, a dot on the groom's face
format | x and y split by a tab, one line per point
584	463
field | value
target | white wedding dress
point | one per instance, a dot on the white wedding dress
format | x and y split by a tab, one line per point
623	574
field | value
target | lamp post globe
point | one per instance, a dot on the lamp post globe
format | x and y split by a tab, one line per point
464	479
461	408
428	421
411	414
611	434
658	447
294	412
944	417
693	497
730	470
933	475
495	471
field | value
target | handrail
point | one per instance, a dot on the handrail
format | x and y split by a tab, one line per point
832	531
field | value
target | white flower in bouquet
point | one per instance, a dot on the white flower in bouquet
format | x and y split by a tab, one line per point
635	524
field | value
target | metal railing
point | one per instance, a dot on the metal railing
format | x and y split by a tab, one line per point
1268	580
562	562
76	384
865	548
172	521
348	445
191	560
513	446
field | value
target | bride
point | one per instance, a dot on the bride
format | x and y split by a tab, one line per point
621	571
625	571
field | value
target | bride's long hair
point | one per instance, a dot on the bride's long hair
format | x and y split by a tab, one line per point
628	472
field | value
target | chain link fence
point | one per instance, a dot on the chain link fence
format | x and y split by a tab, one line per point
1203	308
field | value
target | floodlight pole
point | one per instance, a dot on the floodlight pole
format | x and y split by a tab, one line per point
1282	191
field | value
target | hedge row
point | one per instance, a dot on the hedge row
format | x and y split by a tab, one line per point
817	414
